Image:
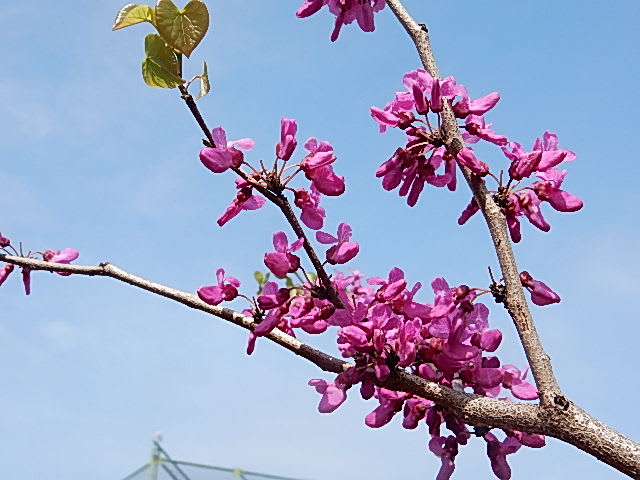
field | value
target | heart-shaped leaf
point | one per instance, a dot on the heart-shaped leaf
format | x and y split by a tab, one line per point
160	68
205	86
182	29
132	14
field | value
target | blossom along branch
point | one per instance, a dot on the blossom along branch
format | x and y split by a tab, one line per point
419	358
575	426
276	198
515	302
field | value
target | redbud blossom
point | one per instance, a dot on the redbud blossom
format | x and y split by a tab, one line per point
346	11
288	142
224	155
226	290
26	280
282	261
244	200
344	250
312	213
497	452
5	272
65	256
4	241
317	168
541	294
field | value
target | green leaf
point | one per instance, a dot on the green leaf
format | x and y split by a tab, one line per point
205	86
288	282
182	29
259	276
132	14
160	68
312	276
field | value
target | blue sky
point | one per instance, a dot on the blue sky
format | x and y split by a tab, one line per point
91	158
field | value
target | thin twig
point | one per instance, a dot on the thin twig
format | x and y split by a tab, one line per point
279	200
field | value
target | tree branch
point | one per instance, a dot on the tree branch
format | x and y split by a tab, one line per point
573	426
562	419
516	303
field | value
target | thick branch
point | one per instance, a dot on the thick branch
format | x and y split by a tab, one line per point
516	302
573	426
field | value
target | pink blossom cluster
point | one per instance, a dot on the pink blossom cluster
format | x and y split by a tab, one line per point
65	256
316	166
346	11
427	158
387	328
383	327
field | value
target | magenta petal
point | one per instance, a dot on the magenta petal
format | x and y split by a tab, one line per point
216	159
280	242
488	377
482	105
65	256
380	416
26	280
211	295
384	117
309	7
326	238
5	272
523	390
269	323
564	201
254	202
490	340
219	137
344	252
354	335
251	343
278	263
551	158
243	143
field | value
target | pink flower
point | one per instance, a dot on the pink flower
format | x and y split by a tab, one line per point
26	280
467	158
346	11
549	190
244	200
446	448
317	168
497	452
477	129
312	213
551	154
272	296
226	290
288	143
332	395
65	256
5	272
480	106
344	250
224	155
4	241
541	294
282	261
514	379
